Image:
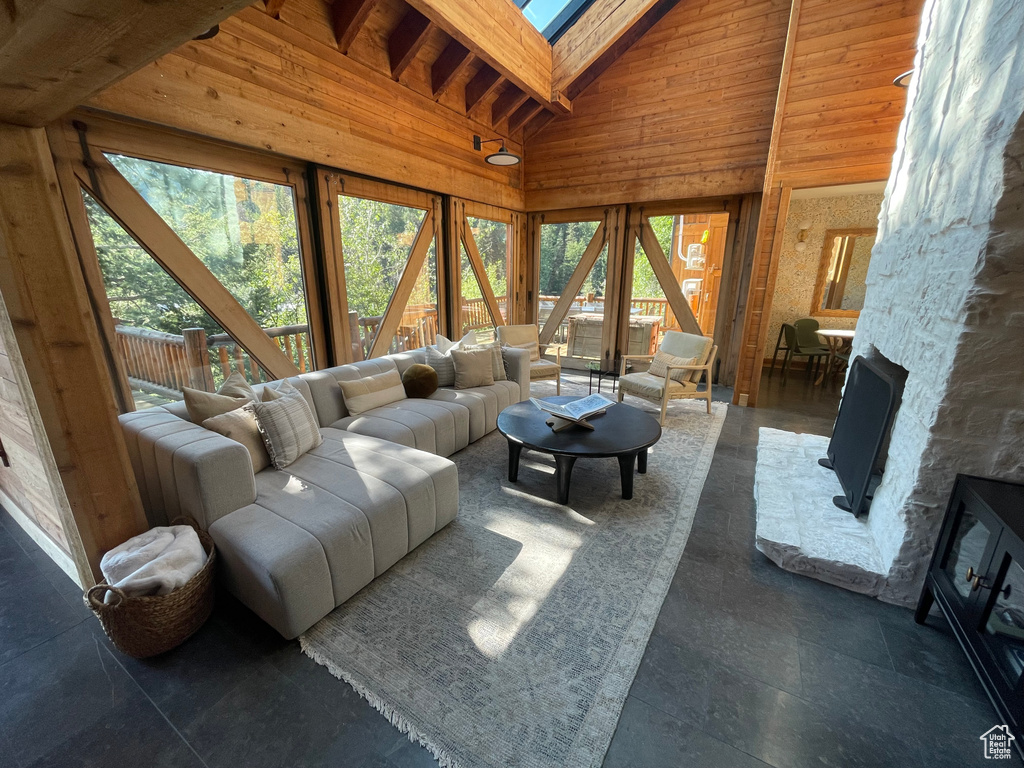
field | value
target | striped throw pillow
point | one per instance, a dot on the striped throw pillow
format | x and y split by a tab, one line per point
288	427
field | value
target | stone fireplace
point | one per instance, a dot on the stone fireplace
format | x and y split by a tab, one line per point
945	289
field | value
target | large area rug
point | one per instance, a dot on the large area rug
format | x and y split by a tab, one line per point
511	638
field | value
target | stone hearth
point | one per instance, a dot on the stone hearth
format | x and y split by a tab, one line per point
798	526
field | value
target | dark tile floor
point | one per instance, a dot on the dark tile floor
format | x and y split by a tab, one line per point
748	665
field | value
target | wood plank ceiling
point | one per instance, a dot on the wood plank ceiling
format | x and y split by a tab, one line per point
417	45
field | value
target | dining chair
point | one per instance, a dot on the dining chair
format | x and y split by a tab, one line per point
802	341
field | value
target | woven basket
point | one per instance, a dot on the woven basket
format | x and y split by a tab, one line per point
147	626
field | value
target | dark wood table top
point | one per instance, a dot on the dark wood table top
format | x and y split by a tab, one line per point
621	429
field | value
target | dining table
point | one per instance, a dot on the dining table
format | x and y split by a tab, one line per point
838	340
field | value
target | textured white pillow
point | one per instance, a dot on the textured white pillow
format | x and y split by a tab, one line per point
288	427
371	392
661	361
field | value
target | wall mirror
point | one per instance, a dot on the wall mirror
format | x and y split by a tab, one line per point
841	275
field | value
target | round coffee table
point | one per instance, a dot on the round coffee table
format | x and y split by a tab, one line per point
622	432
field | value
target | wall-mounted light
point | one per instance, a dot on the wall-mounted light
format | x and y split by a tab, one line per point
501	157
801	238
903	81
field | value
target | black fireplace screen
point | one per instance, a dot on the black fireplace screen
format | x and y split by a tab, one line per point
862	426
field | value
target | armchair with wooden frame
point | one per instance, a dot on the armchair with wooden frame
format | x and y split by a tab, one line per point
673	385
528	337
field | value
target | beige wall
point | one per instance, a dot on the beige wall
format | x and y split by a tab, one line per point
794	285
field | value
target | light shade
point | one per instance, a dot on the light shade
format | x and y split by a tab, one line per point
903	81
503	157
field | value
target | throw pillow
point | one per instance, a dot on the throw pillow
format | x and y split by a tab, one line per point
439	357
661	361
419	380
497	362
288	427
233	394
240	425
283	388
443	344
472	368
371	392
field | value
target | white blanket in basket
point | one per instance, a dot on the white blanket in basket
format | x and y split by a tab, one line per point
155	562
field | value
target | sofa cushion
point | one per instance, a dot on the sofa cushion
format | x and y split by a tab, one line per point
373	391
441	428
686	345
484	404
544	369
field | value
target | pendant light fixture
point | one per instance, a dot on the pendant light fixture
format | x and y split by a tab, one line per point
501	157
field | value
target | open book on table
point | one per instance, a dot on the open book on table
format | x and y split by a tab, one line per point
577	410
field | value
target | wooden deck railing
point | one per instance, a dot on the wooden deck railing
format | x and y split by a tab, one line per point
163	363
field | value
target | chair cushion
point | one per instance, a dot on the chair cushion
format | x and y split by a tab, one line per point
371	392
662	360
544	369
647	385
521	337
419	380
687	345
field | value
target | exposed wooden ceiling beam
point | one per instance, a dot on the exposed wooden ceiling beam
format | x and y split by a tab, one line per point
273	7
348	17
453	59
484	82
602	34
406	41
498	33
56	54
538	122
507	100
524	114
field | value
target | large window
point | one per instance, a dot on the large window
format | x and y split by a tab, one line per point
165	339
572	282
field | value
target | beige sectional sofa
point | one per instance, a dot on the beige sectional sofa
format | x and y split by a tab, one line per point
296	543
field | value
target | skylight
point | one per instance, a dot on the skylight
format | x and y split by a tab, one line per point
553	17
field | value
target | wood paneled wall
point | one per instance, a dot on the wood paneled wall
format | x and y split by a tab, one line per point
282	85
837	122
686	112
27	489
